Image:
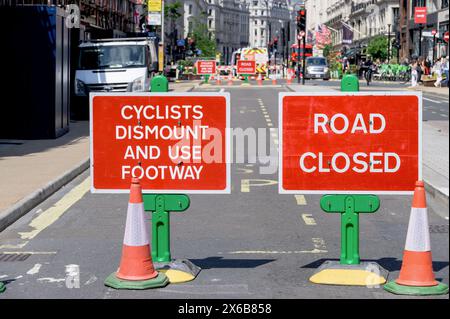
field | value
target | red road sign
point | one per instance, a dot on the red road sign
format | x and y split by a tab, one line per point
335	143
433	32
175	143
206	67
420	15
446	35
246	67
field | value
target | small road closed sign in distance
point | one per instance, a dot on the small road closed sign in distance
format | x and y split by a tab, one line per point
173	142
350	143
246	67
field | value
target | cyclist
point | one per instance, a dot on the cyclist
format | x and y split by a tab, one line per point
369	66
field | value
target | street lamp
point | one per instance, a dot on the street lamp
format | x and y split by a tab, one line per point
389	43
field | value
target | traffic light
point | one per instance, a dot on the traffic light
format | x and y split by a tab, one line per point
301	19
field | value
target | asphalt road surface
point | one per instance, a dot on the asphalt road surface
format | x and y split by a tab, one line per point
253	243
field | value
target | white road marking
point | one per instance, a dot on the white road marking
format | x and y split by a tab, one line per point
91	280
319	248
29	252
443	115
430	100
51	280
34	270
3	276
52	214
309	220
222	90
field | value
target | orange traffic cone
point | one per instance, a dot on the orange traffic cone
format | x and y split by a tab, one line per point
230	79
136	270
289	77
416	275
274	80
218	81
259	79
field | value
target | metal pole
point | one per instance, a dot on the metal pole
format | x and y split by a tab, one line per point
420	40
434	48
304	59
298	55
389	43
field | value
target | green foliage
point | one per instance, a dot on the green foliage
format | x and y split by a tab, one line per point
327	50
378	47
172	11
200	35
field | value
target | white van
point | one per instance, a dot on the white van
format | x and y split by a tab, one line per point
114	65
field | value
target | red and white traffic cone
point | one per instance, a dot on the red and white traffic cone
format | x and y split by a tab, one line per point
289	77
230	79
259	79
218	82
274	79
136	270
416	275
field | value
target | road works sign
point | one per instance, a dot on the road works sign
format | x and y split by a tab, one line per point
175	143
350	143
246	67
206	67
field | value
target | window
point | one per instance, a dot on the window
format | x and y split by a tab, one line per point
190	9
444	4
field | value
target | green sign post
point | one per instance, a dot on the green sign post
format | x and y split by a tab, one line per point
350	271
350	206
161	206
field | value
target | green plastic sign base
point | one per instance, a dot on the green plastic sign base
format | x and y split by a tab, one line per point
158	282
393	287
159	83
2	287
350	83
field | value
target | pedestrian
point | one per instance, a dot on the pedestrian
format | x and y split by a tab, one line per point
445	71
414	74
438	69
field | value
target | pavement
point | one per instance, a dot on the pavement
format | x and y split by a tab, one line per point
253	243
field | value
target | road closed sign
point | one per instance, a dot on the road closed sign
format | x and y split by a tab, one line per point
174	143
205	67
246	67
350	143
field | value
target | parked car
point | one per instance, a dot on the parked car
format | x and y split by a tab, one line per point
317	68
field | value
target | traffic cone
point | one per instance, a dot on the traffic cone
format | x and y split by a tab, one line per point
274	80
136	270
416	275
218	82
230	79
259	79
289	77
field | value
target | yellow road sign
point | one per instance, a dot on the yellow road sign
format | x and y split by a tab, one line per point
154	5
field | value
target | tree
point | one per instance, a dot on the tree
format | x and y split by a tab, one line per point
327	50
203	43
378	47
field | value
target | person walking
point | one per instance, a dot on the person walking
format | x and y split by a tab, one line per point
438	69
414	74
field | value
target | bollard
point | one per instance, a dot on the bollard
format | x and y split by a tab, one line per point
350	83
159	83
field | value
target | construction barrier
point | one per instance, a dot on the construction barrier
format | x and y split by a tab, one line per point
416	275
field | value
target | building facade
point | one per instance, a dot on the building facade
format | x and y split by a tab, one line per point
272	23
409	32
365	18
228	25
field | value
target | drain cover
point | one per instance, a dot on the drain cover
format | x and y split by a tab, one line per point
14	257
439	229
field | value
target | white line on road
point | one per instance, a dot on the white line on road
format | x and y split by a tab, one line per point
222	90
34	270
430	100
